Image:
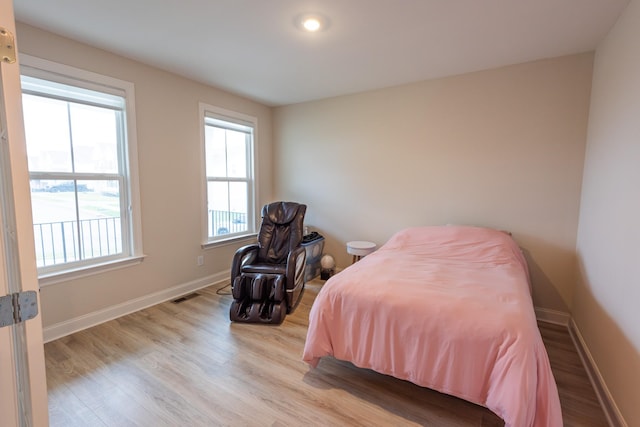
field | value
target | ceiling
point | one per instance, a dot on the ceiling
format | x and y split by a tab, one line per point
252	47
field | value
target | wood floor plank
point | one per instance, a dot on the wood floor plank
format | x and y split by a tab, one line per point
186	364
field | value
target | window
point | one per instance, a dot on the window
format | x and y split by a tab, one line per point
228	141
81	157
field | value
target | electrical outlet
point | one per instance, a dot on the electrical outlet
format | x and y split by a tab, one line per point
200	260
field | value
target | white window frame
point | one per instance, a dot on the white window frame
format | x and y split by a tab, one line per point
207	111
132	252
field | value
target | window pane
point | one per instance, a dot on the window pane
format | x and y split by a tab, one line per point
46	123
100	226
228	210
95	139
54	222
238	206
237	154
59	236
215	149
218	212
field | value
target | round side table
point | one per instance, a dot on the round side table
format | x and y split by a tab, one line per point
359	249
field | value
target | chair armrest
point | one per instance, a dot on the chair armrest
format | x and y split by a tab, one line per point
295	268
243	255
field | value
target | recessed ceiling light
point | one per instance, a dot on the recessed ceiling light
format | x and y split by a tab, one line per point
311	22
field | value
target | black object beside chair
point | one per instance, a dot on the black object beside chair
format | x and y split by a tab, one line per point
267	278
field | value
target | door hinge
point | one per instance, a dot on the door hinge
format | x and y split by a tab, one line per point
7	46
18	307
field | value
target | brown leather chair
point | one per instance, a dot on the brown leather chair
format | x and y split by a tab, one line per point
267	278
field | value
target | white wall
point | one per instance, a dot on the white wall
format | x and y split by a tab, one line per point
606	308
502	148
170	182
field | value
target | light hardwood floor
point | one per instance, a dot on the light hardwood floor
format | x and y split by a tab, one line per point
187	365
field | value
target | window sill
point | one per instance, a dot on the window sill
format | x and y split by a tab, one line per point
247	238
66	275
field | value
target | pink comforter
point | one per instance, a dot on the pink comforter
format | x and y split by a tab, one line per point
448	308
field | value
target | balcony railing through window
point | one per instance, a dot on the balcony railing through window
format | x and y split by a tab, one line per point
225	222
68	241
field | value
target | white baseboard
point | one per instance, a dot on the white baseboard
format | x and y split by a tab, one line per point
611	410
552	316
61	329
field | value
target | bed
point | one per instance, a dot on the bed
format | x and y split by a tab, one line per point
448	308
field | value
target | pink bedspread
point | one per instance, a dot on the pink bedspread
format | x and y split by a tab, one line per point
448	308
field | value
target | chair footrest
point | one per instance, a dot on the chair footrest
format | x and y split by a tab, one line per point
258	298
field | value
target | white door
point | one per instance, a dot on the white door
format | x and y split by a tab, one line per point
23	390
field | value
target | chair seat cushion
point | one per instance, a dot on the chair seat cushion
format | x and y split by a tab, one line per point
265	268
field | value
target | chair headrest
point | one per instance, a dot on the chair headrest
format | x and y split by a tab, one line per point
280	212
